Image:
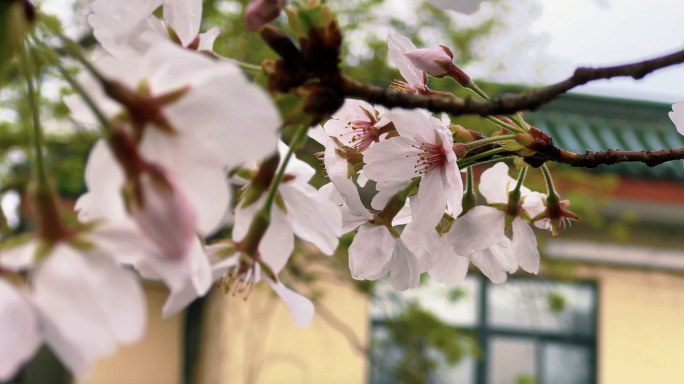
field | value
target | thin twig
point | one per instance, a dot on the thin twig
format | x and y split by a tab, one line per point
507	104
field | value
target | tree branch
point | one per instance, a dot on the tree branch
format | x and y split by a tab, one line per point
507	104
591	159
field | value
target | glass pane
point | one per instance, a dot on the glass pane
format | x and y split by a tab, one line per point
534	305
392	364
511	361
455	306
567	364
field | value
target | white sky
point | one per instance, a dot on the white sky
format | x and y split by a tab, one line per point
608	32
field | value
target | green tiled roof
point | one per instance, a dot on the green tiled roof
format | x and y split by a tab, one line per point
581	122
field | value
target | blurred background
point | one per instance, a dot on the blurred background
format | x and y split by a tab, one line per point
608	304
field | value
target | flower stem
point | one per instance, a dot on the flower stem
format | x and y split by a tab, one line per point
472	160
247	66
495	139
262	219
273	190
34	106
521	178
504	125
551	190
514	117
469	197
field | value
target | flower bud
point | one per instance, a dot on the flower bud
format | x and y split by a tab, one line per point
537	141
261	12
435	61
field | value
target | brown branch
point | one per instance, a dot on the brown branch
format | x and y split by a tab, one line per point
592	159
507	104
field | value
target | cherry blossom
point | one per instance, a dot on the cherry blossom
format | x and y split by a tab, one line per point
81	302
179	266
423	148
416	80
484	226
124	27
201	131
357	124
375	251
304	211
226	263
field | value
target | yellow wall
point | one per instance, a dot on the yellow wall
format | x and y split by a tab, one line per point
155	360
641	325
256	342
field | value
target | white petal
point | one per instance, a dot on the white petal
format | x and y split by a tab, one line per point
371	252
185	17
18	331
318	133
415	125
525	246
330	191
386	190
208	38
677	116
104	178
362	179
314	217
190	276
478	229
404	216
431	201
301	308
92	302
296	167
495	184
350	221
534	204
352	110
404	270
450	268
453	186
350	196
397	45
393	159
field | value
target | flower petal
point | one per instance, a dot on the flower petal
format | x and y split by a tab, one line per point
431	201
392	159
525	246
301	309
370	252
450	268
397	45
314	217
18	331
185	17
404	270
495	184
478	229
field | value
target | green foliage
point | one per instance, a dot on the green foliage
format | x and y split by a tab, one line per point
526	379
555	302
418	334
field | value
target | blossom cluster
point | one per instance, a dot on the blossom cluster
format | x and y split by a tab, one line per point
182	128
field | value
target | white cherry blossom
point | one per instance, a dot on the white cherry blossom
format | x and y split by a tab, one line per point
219	120
125	26
423	148
301	309
80	302
306	212
483	226
357	124
375	251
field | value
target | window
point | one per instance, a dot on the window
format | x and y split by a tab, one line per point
525	331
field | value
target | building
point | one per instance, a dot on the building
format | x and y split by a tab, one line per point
608	306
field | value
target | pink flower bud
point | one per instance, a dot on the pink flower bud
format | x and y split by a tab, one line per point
261	12
435	61
162	211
